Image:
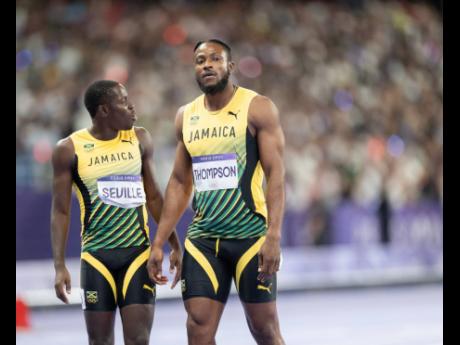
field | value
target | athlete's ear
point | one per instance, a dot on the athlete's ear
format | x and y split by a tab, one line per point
103	109
231	66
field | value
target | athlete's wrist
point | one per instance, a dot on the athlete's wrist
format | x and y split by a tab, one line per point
273	237
158	243
59	266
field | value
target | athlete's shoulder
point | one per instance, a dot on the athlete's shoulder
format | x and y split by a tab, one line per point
262	111
64	151
142	134
180	112
140	131
261	103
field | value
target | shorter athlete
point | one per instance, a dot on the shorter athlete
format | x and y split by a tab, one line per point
110	165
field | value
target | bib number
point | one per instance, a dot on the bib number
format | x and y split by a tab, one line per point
213	172
126	191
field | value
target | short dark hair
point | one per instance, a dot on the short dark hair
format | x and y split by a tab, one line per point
97	93
215	40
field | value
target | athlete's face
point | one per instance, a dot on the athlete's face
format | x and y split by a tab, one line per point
121	111
212	68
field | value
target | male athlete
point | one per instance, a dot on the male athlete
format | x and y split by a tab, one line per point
227	139
110	166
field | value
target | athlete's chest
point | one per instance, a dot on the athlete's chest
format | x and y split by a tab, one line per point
116	158
211	132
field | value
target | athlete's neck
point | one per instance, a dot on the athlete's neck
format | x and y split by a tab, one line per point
102	132
219	100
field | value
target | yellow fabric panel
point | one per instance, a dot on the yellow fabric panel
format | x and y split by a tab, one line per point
146	217
258	192
217	246
142	258
245	258
204	263
81	202
102	269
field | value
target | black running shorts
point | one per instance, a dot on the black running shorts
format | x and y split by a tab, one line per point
209	265
115	277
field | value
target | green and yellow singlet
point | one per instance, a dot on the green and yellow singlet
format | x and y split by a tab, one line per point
229	201
108	182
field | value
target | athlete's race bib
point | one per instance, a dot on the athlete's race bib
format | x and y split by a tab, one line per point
126	191
212	172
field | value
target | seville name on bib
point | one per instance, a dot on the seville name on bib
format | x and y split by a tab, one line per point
126	191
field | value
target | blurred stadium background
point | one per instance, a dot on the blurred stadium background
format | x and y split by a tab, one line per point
359	85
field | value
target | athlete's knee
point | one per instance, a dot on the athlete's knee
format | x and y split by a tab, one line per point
266	332
142	338
101	341
200	330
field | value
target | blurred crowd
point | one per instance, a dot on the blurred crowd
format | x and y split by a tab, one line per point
358	84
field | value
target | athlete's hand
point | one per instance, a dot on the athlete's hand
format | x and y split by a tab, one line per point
269	258
61	281
154	266
175	261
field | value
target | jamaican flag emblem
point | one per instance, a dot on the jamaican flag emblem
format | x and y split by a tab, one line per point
88	147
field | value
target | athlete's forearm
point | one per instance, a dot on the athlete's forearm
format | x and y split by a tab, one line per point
275	202
155	205
59	233
176	200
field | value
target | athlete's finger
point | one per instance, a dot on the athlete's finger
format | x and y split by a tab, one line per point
151	270
68	286
260	268
176	277
160	278
272	266
261	262
277	265
268	265
59	288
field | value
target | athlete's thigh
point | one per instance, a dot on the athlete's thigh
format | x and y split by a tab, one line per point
205	271
137	320
100	326
133	283
250	288
98	287
204	311
262	315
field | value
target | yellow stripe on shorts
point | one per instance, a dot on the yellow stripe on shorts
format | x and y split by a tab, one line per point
204	263
245	258
99	266
143	257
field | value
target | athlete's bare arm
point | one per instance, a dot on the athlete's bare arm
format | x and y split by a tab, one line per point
62	160
264	123
155	199
177	196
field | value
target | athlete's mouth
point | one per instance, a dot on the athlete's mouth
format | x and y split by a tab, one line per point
208	74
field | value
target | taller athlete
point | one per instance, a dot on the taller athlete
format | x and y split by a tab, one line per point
228	138
110	166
